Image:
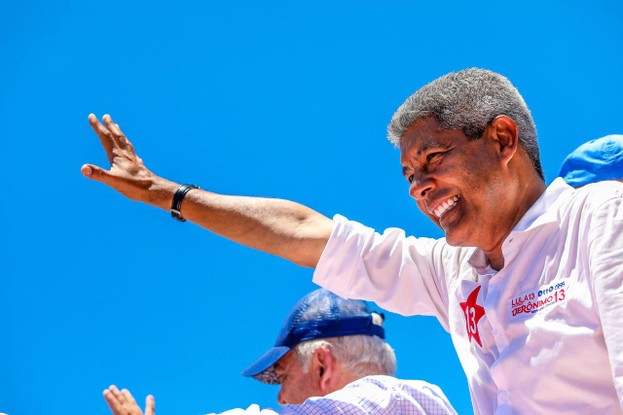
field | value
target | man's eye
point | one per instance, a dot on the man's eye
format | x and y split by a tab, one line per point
410	178
431	156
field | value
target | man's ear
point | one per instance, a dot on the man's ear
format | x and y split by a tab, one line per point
324	369
504	131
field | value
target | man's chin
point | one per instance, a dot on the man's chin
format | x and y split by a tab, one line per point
452	242
454	238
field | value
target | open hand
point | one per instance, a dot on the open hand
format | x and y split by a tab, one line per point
128	174
121	402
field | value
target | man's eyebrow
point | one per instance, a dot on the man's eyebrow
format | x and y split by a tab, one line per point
431	144
426	146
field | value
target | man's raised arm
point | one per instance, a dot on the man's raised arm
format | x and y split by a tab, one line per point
280	227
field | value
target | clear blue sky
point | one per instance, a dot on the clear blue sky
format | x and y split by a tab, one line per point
284	99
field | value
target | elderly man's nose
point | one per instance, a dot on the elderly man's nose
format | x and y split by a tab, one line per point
280	399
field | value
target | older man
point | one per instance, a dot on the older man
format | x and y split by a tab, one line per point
329	358
527	279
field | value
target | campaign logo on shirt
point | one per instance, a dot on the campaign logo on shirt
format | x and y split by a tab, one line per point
539	299
472	313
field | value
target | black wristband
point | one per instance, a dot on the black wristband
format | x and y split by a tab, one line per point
178	197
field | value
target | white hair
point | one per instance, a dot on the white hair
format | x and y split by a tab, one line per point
361	355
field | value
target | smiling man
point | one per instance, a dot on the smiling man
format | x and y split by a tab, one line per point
330	358
462	183
527	279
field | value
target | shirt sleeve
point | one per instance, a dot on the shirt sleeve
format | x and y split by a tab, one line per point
402	274
605	253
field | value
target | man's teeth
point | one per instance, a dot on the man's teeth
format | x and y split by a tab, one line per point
445	206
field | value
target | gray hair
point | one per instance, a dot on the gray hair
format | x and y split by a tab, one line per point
361	355
469	100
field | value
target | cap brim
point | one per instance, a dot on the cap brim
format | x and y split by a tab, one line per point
267	360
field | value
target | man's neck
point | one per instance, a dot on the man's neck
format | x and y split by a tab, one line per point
528	196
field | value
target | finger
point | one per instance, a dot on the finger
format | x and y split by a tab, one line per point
150	405
117	393
128	397
111	125
96	173
102	175
111	395
128	143
114	128
105	136
87	170
119	138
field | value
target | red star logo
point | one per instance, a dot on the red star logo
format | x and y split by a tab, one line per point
473	313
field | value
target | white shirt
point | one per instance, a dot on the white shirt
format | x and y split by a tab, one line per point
542	335
371	395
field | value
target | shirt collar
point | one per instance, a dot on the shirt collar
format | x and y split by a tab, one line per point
480	264
540	213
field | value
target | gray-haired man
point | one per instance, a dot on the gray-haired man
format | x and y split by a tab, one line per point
330	358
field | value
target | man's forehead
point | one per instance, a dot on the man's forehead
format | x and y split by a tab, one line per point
423	135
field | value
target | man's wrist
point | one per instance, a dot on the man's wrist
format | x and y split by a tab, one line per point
160	193
178	198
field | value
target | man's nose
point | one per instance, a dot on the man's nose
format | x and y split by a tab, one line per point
280	399
420	186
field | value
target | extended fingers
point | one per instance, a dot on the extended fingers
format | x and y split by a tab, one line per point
150	405
120	139
121	402
128	397
105	135
114	129
114	393
114	399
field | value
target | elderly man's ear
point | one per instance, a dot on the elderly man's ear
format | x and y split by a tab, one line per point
325	368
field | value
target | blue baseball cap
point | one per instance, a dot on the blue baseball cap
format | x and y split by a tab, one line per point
594	161
318	315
